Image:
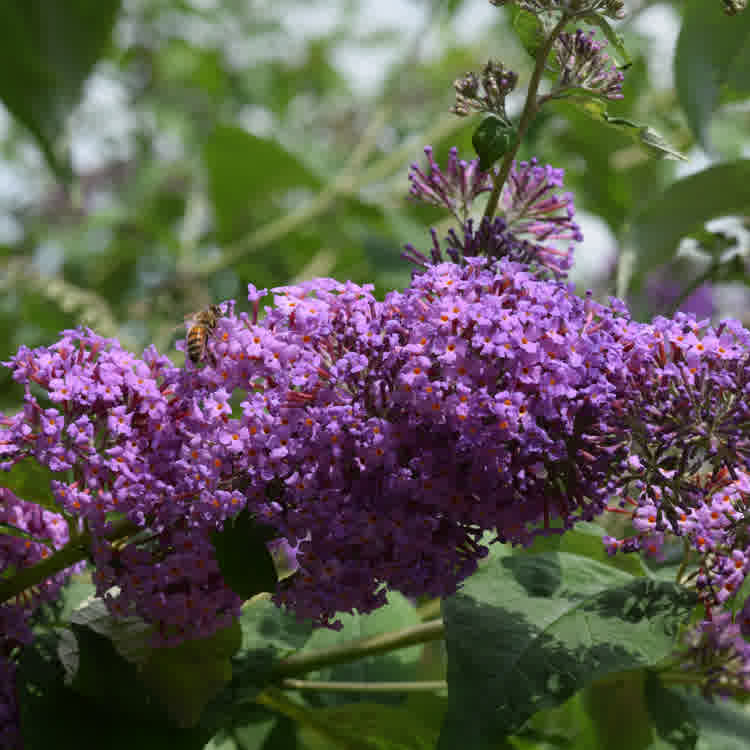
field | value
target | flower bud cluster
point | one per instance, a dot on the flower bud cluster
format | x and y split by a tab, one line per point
537	215
486	92
733	7
455	189
612	8
534	218
585	66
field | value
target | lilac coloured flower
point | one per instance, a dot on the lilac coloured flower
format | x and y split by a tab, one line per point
114	423
584	66
534	219
717	651
685	406
40	533
455	189
382	439
535	213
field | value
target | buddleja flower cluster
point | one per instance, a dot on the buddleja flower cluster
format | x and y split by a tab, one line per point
111	420
383	439
687	415
31	523
394	434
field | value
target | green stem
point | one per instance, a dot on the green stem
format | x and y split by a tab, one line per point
304	662
425	686
74	551
680	678
530	110
684	563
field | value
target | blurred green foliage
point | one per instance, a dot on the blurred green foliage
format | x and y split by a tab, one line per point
158	155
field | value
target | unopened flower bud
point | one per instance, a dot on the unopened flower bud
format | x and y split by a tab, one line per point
486	92
585	66
733	7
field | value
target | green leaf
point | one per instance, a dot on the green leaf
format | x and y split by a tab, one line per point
30	481
47	50
51	714
724	724
130	636
684	207
248	177
395	666
651	141
670	715
186	677
615	39
76	590
527	631
738	75
710	52
528	28
586	540
657	146
244	560
491	140
616	706
95	669
269	633
368	726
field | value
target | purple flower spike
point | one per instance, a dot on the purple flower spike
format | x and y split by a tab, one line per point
584	65
454	189
533	212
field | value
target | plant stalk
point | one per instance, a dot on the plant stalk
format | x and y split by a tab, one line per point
530	109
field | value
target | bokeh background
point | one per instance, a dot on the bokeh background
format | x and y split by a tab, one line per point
158	155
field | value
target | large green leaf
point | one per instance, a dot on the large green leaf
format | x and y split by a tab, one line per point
269	633
185	678
585	539
368	726
30	481
685	207
527	631
671	715
47	50
248	178
709	52
55	715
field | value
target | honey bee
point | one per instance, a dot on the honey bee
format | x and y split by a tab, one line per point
202	326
